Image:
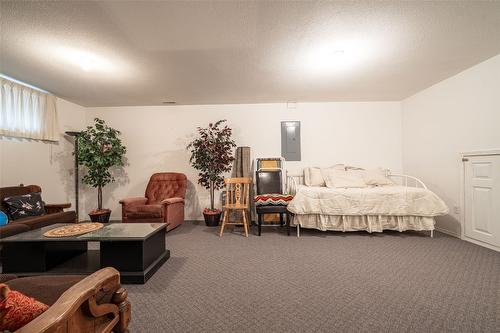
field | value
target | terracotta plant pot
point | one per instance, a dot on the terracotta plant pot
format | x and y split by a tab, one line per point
212	218
101	216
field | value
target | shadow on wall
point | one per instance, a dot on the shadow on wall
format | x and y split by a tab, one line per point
55	172
136	177
192	208
449	224
163	161
54	164
25	146
66	171
178	161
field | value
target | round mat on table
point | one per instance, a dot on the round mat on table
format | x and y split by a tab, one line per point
73	230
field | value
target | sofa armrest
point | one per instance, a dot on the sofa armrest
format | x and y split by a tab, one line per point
7	277
170	201
72	305
12	229
133	201
56	208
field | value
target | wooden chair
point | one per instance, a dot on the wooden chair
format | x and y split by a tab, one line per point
237	198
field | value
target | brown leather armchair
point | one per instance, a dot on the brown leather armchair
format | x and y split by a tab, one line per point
163	201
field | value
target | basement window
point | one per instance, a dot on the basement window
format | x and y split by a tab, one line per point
27	112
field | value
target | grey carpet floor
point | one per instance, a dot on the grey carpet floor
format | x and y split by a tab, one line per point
321	282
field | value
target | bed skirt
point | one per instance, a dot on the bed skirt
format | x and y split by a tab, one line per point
370	223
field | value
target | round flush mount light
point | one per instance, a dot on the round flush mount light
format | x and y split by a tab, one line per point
334	57
338	53
87	63
169	102
327	59
85	60
337	58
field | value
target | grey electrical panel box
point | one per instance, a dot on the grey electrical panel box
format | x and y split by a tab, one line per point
290	140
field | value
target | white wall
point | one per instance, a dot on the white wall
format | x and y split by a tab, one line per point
422	135
49	165
366	134
457	115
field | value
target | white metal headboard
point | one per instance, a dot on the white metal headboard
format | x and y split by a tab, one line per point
293	180
407	180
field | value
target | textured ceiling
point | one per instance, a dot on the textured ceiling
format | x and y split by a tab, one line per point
144	53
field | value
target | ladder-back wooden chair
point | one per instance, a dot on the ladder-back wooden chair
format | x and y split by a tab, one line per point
237	198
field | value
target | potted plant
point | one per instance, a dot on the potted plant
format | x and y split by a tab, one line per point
99	150
212	155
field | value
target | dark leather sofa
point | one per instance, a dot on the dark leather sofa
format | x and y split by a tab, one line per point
54	213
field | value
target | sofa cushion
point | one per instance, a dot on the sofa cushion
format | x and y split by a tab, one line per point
17	309
10	192
145	211
46	289
7	277
21	206
165	185
148	209
37	222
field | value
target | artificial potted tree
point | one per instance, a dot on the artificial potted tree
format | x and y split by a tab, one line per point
212	155
99	150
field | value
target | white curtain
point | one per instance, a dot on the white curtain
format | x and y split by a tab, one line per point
27	113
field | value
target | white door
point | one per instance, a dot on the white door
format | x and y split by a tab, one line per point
482	198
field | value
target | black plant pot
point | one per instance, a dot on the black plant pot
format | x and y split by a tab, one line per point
212	219
101	216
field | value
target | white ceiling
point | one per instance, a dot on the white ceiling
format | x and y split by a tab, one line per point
208	52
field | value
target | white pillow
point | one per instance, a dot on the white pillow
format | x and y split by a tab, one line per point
345	179
337	167
315	177
376	177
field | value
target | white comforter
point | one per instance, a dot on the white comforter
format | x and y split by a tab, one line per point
382	200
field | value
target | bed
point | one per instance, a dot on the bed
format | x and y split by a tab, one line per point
402	203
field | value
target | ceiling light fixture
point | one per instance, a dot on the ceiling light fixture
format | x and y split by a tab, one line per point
169	102
338	53
87	61
327	58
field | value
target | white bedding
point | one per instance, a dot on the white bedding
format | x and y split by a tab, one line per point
370	223
382	200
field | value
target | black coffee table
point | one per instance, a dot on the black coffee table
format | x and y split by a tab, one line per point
137	250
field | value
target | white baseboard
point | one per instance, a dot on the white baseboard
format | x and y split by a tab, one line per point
467	239
489	246
448	232
444	231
